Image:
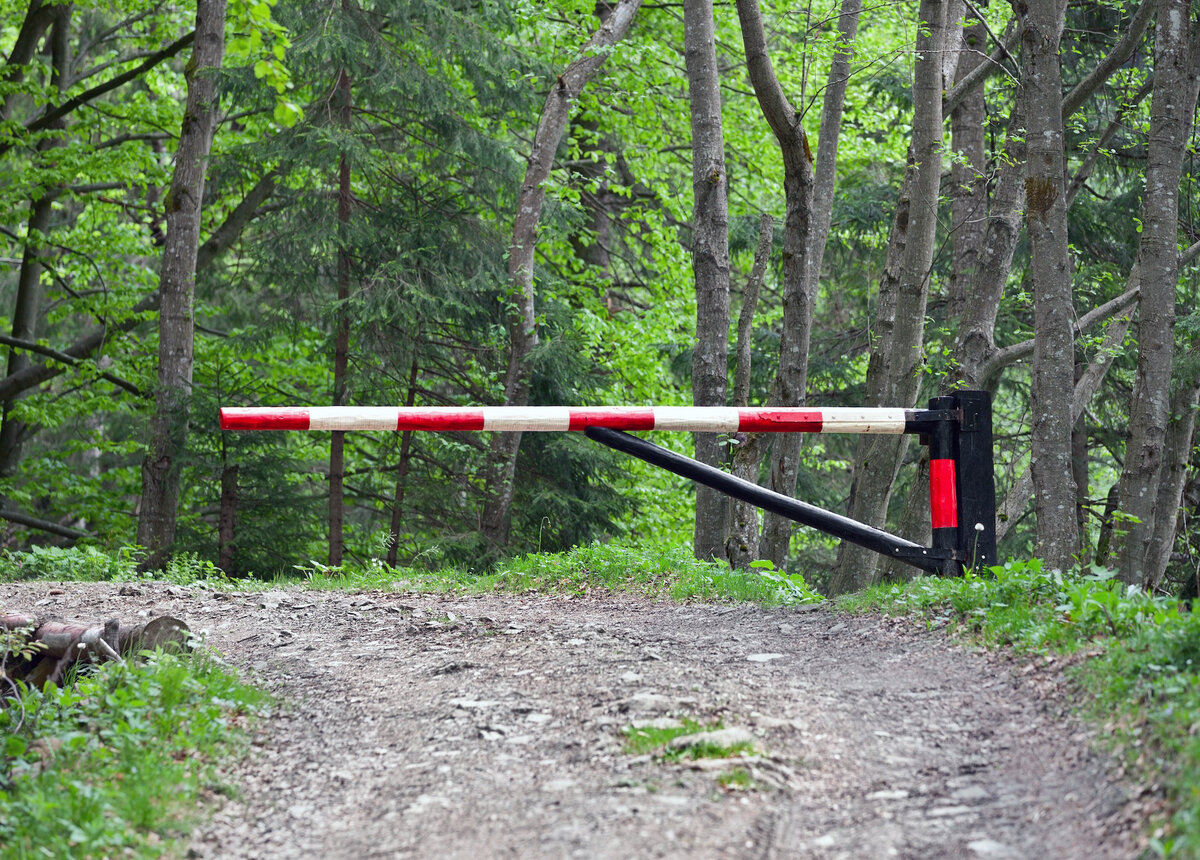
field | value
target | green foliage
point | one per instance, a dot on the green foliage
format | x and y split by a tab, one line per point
90	564
115	764
1138	660
643	740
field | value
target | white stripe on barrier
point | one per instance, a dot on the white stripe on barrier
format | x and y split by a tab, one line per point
530	418
844	419
352	418
711	419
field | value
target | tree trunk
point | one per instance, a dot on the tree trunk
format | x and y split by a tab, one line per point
177	281
523	336
968	177
27	312
1050	268
710	259
341	348
809	194
898	370
741	545
402	475
968	228
1180	440
1173	105
227	518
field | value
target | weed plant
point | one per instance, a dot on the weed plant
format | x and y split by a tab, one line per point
114	763
1137	659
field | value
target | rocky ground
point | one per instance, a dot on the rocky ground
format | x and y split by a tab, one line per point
475	727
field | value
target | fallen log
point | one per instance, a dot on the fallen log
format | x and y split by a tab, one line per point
39	650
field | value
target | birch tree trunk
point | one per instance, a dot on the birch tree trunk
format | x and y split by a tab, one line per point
522	326
1173	105
1050	269
710	259
177	282
898	369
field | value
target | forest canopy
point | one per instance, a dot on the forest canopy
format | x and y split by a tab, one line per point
418	202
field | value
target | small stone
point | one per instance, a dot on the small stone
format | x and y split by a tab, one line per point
970	794
724	738
630	678
764	658
556	785
894	794
990	848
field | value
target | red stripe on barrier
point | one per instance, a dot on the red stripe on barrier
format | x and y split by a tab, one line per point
769	420
943	499
614	419
256	419
440	419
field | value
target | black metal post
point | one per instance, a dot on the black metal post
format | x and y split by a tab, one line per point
926	558
976	482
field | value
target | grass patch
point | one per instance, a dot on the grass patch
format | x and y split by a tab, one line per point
660	573
648	740
1138	659
114	764
736	779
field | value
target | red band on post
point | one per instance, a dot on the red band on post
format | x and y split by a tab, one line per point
750	420
624	419
258	419
440	419
943	498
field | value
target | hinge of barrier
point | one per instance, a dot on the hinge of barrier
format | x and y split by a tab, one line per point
929	558
924	420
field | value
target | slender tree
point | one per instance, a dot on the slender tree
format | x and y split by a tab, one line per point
710	257
522	328
1173	107
895	360
169	426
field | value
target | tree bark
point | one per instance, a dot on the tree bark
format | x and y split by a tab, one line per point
741	545
227	518
27	313
1180	441
177	280
1173	104
898	369
710	259
809	201
402	475
1050	269
523	336
341	348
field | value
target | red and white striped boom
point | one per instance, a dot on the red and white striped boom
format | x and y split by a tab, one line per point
701	419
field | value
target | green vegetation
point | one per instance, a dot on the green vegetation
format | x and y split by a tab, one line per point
115	763
649	740
1137	660
661	572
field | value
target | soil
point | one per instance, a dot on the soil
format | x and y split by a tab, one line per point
475	727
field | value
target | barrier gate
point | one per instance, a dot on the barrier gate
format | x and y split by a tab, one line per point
957	428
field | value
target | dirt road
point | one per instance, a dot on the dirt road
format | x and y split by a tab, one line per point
426	726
